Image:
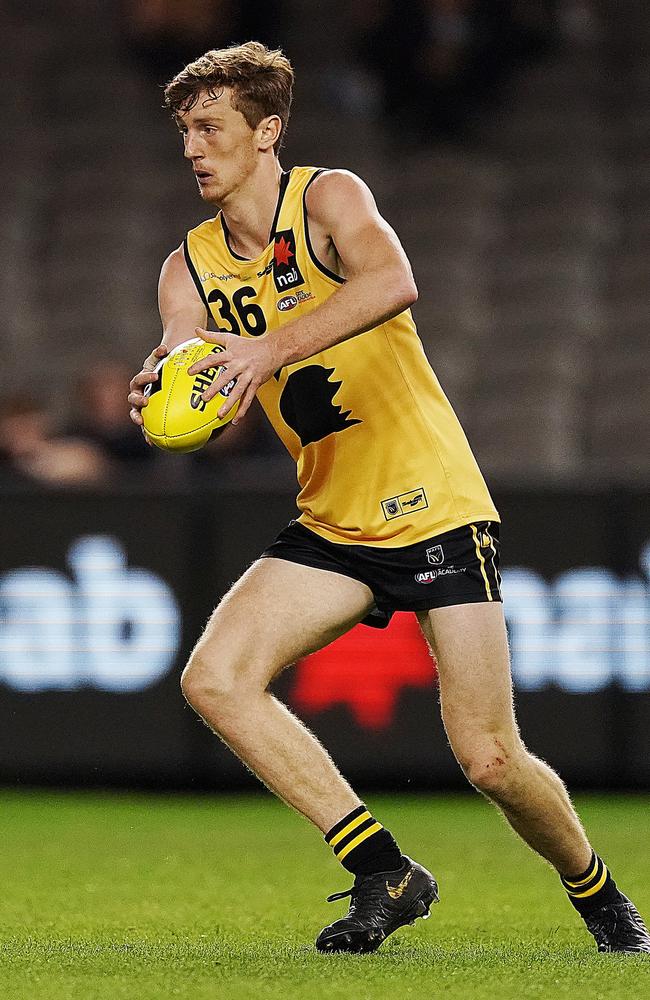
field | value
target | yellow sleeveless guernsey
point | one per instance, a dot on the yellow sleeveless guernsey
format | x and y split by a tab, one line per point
382	459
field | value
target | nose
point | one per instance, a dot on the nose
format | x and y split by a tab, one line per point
190	147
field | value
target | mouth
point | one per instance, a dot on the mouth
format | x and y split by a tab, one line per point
202	176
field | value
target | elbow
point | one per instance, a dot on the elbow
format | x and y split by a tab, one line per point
412	294
406	293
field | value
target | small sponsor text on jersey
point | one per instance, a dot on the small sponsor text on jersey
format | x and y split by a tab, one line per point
404	503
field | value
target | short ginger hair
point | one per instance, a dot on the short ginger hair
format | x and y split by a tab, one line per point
261	81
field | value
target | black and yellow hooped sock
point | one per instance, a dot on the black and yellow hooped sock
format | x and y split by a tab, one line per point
593	888
362	845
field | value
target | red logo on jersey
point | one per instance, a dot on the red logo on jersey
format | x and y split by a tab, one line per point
367	669
282	251
286	272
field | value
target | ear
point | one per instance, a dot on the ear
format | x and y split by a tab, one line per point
269	130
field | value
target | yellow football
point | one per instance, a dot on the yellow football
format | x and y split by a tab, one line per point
176	417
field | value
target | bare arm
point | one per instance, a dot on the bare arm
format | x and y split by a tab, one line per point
179	303
181	311
379	285
379	281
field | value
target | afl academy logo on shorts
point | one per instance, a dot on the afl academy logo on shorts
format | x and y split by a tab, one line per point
286	273
435	555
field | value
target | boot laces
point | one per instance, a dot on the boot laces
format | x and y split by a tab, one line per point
366	893
340	895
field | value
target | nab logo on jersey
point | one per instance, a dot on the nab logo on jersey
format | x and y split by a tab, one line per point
286	273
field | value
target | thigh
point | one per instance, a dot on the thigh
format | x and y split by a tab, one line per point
278	612
471	647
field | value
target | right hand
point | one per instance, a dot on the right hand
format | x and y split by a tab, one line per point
136	396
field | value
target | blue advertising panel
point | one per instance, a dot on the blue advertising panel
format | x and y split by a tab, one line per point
102	598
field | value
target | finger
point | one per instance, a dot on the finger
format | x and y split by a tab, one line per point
143	378
238	391
136	417
137	400
224	379
244	404
156	355
210	361
213	336
151	364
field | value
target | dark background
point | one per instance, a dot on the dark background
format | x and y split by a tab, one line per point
507	143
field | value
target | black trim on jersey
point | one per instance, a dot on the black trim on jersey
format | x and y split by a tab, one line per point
319	264
226	236
285	177
195	277
284	184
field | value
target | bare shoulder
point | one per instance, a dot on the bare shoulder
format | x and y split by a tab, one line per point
175	276
338	191
174	266
346	224
178	293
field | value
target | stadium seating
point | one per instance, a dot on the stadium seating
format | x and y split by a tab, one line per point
528	241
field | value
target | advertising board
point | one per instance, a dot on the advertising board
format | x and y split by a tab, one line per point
102	598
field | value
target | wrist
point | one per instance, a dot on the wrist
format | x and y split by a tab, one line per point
278	354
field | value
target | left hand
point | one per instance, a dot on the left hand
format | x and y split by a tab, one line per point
251	362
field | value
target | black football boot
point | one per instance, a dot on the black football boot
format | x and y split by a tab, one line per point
380	904
619	927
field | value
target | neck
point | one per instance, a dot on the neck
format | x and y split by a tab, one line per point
249	211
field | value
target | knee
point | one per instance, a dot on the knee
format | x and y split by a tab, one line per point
492	763
211	682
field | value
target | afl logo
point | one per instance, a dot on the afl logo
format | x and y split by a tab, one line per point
287	302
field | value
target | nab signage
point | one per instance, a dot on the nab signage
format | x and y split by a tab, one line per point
582	631
104	624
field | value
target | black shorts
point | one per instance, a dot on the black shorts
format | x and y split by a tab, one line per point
457	567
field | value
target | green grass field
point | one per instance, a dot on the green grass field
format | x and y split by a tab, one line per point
146	897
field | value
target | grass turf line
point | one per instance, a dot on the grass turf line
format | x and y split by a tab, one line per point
147	897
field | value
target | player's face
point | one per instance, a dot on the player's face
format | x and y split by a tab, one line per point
221	145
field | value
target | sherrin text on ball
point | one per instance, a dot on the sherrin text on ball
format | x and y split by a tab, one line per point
176	417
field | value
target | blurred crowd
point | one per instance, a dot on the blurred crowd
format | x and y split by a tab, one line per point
439	63
432	64
163	35
98	445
